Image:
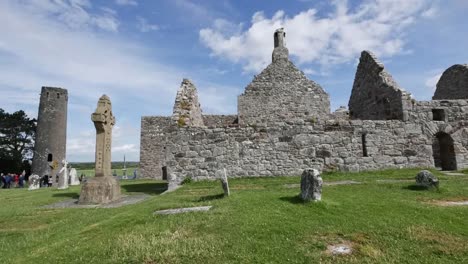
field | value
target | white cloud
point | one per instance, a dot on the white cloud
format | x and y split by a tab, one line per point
126	2
377	25
144	26
310	71
74	14
39	48
127	148
432	81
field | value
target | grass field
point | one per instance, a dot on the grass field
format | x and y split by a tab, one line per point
261	222
90	172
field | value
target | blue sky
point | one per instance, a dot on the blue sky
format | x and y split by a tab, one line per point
138	51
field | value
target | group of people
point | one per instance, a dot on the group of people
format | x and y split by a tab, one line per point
10	180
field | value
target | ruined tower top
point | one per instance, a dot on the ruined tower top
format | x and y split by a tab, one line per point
280	52
187	110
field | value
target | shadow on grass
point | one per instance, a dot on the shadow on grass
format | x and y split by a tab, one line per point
69	195
210	197
416	188
152	188
292	199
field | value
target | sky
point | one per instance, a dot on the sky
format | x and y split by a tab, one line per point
138	51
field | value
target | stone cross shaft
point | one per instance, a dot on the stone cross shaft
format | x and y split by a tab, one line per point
104	121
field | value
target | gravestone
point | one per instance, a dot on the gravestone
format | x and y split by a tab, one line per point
311	185
426	179
63	176
73	177
221	174
103	188
34	182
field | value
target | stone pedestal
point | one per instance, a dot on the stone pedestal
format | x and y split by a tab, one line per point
99	190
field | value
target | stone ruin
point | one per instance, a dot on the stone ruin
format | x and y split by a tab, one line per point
51	132
103	188
284	125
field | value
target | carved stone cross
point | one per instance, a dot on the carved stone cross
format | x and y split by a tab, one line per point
104	121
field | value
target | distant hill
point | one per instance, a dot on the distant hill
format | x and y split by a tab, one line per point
115	165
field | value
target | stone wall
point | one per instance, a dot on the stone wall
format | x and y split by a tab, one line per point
287	150
220	120
453	83
154	131
375	95
439	110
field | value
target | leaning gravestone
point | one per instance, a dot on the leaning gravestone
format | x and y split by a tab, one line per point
73	177
221	174
63	176
426	179
34	182
103	188
311	185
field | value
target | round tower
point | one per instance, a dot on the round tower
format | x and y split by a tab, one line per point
51	133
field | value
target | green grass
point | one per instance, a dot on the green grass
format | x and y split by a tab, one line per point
90	172
261	222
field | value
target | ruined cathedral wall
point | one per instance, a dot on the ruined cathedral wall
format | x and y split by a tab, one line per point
375	95
152	145
219	120
292	109
285	151
440	110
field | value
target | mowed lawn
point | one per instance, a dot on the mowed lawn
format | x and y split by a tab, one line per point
263	221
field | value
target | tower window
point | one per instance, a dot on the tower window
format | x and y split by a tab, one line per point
364	145
58	95
49	157
438	114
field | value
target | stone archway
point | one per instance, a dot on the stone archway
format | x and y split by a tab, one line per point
444	152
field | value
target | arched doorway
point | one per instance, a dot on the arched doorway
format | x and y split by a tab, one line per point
444	152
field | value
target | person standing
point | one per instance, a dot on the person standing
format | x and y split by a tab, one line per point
51	180
8	180
2	181
15	180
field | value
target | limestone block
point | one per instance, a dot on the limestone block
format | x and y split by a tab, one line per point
427	179
221	174
311	185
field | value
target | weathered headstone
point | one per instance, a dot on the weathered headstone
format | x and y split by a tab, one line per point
34	182
221	174
73	177
103	188
63	176
426	179
311	185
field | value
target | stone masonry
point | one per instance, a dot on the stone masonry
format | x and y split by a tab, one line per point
103	188
187	111
284	126
51	133
375	95
453	83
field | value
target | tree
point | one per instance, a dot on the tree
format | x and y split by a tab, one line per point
17	134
